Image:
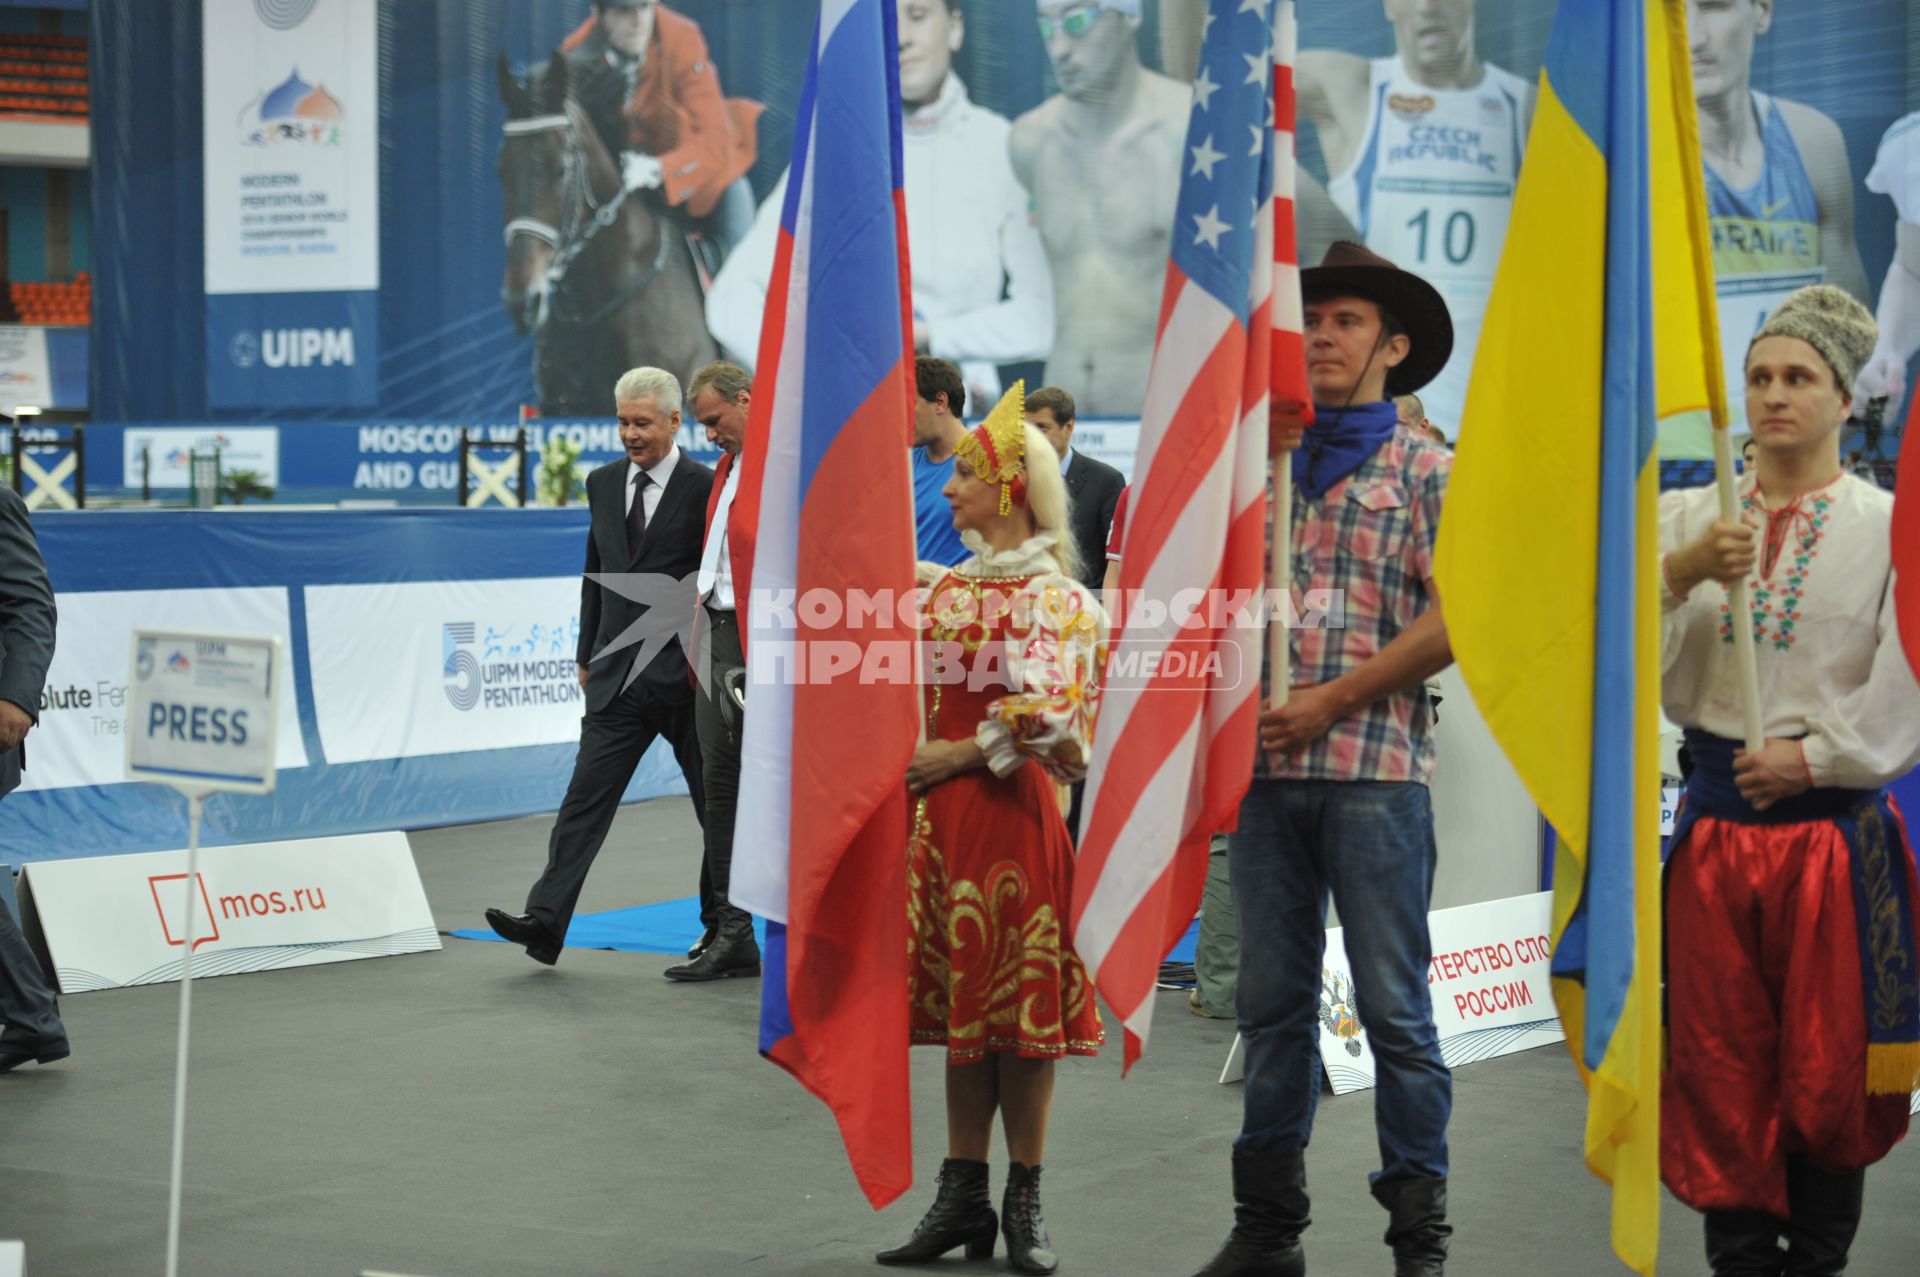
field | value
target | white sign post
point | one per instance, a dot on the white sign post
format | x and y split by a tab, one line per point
203	709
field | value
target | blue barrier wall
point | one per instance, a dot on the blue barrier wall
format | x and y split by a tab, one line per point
110	551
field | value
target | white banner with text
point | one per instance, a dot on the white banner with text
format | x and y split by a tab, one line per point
404	669
114	921
81	737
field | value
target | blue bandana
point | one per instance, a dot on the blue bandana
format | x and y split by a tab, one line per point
1337	442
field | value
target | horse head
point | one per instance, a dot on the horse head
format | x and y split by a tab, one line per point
535	152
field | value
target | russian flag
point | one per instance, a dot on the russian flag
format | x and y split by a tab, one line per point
833	710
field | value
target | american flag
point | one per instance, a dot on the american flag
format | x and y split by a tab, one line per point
1174	751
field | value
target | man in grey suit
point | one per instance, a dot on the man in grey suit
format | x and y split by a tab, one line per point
33	1029
648	518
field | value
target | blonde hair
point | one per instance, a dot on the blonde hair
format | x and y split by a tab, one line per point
1047	500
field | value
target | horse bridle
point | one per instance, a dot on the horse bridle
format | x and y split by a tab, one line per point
569	241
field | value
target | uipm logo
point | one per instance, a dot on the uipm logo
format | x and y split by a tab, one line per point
459	670
306	347
173	923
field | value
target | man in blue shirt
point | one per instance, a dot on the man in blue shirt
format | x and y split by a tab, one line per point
941	398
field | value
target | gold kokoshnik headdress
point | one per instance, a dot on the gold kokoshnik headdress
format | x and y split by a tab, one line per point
996	449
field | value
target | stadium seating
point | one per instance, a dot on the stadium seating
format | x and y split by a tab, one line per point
44	76
49	303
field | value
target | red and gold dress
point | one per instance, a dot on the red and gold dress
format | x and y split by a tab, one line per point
1015	652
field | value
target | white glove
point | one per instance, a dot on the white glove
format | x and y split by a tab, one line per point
1885	374
640	172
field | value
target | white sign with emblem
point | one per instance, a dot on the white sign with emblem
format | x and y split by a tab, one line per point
203	710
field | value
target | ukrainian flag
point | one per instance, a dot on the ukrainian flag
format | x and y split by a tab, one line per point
1548	553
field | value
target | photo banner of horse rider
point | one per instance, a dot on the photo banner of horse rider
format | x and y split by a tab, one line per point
568	188
292	185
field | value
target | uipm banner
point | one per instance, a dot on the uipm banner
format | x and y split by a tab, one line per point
292	186
114	921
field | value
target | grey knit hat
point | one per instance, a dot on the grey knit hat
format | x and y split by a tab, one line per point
1830	321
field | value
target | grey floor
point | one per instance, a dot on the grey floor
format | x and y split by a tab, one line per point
469	1113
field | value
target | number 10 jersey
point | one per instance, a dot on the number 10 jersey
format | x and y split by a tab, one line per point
1431	189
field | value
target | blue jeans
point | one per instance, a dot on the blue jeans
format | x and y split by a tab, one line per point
1371	844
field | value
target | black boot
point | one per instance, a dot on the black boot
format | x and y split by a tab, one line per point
1825	1214
1417	1227
734	952
1744	1243
1269	1214
1029	1249
961	1213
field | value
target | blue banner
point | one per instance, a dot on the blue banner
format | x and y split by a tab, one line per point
560	199
304	350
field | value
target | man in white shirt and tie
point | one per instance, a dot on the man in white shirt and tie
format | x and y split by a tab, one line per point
643	544
719	397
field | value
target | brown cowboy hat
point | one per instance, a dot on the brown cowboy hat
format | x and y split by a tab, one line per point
1350	269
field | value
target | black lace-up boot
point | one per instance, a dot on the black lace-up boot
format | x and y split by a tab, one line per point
961	1214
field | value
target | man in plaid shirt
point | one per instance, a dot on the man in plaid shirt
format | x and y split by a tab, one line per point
1339	801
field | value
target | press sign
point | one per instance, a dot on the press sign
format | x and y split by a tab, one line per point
202	710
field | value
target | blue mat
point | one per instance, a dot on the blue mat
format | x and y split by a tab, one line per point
672	925
668	927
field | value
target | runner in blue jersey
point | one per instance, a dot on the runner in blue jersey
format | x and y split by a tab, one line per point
1779	195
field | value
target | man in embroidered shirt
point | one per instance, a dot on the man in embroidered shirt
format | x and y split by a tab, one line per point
1790	883
1339	800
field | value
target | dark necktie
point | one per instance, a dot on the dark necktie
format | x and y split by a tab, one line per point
637	514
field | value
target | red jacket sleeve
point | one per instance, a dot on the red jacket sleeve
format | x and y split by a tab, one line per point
679	115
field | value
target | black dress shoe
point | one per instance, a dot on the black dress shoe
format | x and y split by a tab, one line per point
700	946
12	1057
523	930
734	952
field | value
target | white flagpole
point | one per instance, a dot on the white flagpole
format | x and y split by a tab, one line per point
1745	662
1280	582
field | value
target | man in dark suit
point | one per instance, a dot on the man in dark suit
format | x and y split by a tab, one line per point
720	396
1092	486
33	1029
645	533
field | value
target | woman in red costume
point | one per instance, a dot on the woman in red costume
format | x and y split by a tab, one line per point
1015	650
1792	1005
